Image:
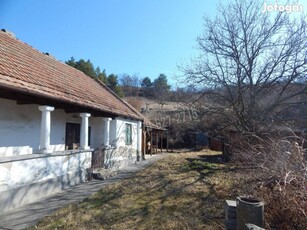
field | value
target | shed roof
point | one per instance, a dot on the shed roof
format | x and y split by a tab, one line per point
26	70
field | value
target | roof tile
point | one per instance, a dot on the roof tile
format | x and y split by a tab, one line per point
25	68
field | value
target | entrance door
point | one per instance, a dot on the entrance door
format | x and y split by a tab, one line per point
72	137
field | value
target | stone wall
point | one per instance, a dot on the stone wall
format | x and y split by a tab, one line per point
119	157
119	154
27	178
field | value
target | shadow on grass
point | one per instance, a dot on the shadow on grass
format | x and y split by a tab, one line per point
208	164
167	195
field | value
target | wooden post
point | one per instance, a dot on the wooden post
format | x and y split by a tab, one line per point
167	140
157	141
161	138
144	144
151	136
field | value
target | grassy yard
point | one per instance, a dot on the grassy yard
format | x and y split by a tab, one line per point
182	191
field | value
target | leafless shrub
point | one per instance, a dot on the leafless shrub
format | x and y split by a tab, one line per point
136	102
282	164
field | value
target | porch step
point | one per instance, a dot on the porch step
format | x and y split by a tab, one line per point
103	174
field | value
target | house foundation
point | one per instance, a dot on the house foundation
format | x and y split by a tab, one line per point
27	178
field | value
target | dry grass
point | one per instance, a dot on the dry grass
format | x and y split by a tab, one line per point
182	191
152	106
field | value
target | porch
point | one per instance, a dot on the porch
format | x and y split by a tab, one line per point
27	178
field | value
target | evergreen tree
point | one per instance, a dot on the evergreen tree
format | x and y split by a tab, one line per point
88	68
112	83
146	83
161	89
85	66
102	76
146	86
161	85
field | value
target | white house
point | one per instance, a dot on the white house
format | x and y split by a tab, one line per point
52	118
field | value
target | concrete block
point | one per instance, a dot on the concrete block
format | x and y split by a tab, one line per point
230	215
252	227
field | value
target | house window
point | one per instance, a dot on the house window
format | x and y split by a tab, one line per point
128	134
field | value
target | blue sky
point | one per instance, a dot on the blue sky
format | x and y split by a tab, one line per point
142	37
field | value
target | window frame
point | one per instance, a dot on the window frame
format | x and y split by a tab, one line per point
128	134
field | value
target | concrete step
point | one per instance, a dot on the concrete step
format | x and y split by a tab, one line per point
103	174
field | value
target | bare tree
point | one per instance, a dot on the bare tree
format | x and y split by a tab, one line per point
251	73
130	84
251	65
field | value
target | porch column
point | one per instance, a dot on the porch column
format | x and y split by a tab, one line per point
84	131
44	146
139	139
106	135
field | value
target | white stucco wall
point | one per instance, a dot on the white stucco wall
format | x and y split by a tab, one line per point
28	178
41	167
121	132
120	155
20	128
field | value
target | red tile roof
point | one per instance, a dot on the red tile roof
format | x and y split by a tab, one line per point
25	69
